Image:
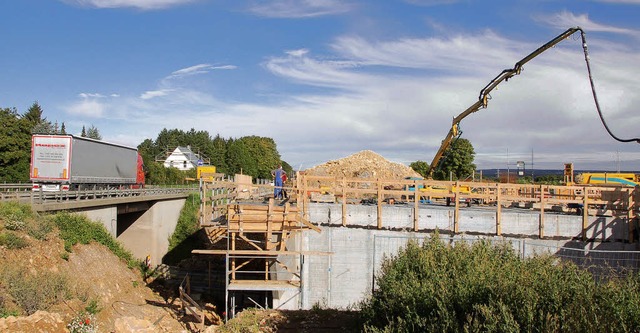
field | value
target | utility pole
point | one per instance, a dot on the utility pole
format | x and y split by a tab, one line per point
532	178
508	171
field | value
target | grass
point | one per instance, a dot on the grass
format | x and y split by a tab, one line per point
76	229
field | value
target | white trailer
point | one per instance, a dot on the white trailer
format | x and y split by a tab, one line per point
67	162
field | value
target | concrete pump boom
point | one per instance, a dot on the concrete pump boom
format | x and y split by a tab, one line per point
505	75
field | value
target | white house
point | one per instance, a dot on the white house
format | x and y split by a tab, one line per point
182	158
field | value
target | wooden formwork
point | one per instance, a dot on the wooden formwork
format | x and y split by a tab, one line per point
255	232
256	238
586	200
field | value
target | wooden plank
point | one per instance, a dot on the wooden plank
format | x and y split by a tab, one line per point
380	194
542	203
261	253
263	285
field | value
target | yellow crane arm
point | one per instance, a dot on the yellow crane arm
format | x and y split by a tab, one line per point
505	75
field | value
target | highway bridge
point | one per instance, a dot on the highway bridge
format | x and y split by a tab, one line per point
141	219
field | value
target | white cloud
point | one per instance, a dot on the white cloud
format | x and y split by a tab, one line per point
199	69
567	19
154	93
631	2
87	107
431	2
140	4
458	53
298	8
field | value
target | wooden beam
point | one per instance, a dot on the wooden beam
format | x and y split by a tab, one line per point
261	253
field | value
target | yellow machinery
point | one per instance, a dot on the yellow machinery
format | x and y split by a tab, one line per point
505	75
600	178
606	178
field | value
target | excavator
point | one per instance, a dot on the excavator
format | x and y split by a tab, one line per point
505	75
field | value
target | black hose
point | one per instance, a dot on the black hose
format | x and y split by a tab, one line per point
593	90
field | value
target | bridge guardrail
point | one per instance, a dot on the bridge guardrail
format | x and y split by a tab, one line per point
23	193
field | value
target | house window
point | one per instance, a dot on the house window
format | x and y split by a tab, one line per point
184	164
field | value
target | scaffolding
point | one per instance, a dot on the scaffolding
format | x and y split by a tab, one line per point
257	239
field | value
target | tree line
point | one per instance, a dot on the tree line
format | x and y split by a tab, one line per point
249	155
15	139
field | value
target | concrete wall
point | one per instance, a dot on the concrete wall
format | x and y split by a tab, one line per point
149	234
346	277
519	222
107	215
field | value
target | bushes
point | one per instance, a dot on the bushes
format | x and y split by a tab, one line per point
76	229
486	288
33	292
12	240
18	217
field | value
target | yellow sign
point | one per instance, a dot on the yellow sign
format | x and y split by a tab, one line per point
205	171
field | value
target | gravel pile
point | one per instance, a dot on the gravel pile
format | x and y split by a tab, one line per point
365	164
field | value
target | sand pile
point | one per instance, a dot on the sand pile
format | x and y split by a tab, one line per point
365	164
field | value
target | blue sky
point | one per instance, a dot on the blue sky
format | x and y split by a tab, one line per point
326	78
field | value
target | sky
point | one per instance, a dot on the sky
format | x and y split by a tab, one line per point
329	78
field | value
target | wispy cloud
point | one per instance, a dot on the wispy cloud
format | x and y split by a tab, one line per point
298	8
199	69
458	53
140	4
154	93
631	2
567	19
431	2
90	105
298	65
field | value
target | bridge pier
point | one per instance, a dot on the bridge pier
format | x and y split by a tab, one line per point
148	234
142	227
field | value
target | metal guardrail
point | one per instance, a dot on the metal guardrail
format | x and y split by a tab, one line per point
23	193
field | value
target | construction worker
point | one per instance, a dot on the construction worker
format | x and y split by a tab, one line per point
277	181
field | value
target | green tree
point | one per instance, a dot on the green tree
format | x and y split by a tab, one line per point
217	154
84	132
93	133
420	167
259	157
238	159
15	146
457	161
35	122
63	129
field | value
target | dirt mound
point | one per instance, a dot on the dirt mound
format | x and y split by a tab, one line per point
365	164
93	273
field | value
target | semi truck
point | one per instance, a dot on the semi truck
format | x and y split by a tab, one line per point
72	163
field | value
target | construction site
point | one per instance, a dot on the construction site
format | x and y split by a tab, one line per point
322	245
